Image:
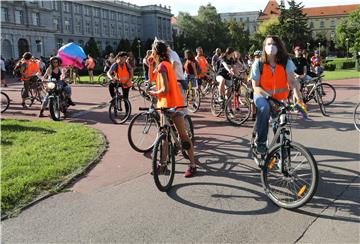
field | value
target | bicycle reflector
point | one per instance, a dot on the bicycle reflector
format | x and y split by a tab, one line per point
300	106
301	191
272	163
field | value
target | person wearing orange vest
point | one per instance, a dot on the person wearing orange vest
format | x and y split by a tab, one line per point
30	70
120	72
273	76
90	65
203	64
169	95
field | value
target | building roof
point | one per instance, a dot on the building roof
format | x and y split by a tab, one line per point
271	9
330	10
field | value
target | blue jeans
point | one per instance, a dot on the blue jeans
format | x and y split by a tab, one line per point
262	118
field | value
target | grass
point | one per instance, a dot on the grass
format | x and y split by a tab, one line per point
341	74
37	156
86	79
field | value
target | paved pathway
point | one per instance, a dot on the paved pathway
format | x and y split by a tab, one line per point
118	202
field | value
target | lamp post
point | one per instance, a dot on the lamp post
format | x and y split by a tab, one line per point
308	46
347	47
139	46
319	48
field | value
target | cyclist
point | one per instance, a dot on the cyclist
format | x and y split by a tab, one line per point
239	66
121	72
90	65
203	64
191	74
215	59
30	70
169	95
272	76
146	65
316	63
225	71
54	71
301	66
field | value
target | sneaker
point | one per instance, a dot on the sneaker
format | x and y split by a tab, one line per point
261	148
190	171
24	106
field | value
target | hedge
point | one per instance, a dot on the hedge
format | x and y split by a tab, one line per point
329	66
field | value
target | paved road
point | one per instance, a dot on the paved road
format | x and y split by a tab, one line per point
118	202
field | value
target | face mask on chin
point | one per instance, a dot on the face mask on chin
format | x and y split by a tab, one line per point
271	49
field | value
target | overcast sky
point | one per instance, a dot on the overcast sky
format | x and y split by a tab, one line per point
192	6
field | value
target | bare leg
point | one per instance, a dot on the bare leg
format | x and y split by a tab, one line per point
180	126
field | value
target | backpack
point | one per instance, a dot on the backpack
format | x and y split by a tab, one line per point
16	71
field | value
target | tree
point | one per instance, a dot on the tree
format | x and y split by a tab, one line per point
108	50
268	27
349	28
148	44
135	48
92	48
294	28
124	45
239	38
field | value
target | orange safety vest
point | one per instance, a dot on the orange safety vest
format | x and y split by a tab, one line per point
90	64
32	68
122	74
173	96
203	65
275	84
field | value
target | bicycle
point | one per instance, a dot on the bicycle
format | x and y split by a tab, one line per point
322	93
193	97
237	107
37	92
166	147
208	82
144	130
357	117
116	111
5	102
289	172
103	79
72	76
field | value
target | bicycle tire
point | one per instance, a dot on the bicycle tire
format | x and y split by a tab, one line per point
243	108
54	110
356	117
158	171
113	111
270	192
103	80
320	103
29	101
150	122
6	100
193	103
215	106
328	93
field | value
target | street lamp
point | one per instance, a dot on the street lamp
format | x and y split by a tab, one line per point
308	46
347	47
139	46
319	48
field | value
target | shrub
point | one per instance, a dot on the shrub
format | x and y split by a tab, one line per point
329	66
348	65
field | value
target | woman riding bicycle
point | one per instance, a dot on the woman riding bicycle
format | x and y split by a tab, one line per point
169	95
225	71
272	76
121	72
54	71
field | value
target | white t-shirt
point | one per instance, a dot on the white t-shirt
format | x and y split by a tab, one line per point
174	57
2	65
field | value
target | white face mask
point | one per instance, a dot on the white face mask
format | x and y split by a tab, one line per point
271	49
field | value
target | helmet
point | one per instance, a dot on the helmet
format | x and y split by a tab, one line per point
257	53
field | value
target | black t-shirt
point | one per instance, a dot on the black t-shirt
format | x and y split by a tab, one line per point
299	62
222	71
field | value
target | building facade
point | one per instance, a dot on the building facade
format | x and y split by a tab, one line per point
249	19
41	27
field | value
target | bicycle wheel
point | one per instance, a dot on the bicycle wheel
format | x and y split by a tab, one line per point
163	163
103	80
5	102
30	99
357	117
319	100
237	109
189	127
215	105
117	110
143	132
54	109
327	92
193	100
297	185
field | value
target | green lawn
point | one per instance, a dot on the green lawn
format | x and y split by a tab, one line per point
37	156
341	74
86	80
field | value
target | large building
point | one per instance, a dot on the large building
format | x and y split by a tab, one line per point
249	19
41	27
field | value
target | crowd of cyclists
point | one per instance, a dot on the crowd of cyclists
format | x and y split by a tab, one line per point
269	72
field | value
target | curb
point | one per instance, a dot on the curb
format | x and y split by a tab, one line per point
72	178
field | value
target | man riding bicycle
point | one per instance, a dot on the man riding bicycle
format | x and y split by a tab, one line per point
121	72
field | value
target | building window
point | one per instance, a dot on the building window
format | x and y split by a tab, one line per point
241	19
4	14
38	46
96	12
322	24
333	23
113	16
77	8
59	43
78	26
36	19
87	10
56	24
19	17
66	6
105	29
113	30
104	14
67	25
55	5
247	19
88	27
